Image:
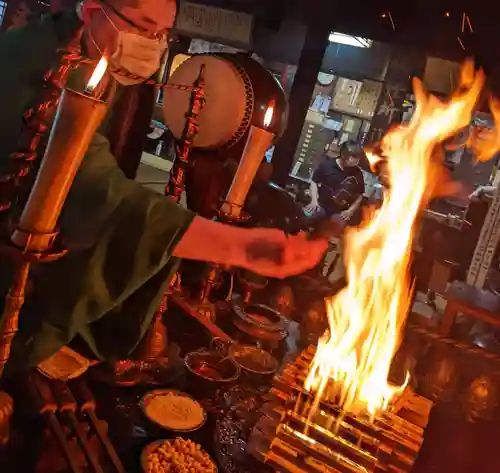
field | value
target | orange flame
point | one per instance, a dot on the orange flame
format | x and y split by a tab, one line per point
97	75
268	118
353	358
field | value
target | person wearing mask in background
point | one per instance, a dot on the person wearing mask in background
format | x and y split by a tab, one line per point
123	239
337	186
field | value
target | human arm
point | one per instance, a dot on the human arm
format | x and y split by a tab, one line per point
123	240
313	189
262	250
481	192
360	189
313	205
171	230
347	214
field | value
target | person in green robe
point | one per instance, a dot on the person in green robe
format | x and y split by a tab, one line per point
123	239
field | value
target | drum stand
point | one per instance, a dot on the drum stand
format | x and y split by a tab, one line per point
174	189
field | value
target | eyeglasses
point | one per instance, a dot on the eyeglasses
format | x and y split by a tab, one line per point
133	24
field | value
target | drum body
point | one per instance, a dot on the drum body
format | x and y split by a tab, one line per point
238	91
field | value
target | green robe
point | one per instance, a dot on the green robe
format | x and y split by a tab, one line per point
120	235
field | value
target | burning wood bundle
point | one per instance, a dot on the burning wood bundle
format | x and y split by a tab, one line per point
296	434
346	417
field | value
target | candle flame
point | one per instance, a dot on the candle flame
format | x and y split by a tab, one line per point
98	74
268	118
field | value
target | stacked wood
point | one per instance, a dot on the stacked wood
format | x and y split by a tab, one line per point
292	436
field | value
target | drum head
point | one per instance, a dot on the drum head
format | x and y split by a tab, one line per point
226	101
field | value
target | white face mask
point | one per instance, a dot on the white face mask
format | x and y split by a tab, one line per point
137	55
135	58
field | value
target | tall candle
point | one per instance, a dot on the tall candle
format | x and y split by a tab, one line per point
258	142
78	117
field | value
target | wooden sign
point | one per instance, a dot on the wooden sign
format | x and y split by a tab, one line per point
201	21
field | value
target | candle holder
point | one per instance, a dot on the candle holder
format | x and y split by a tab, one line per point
231	211
258	142
176	184
78	117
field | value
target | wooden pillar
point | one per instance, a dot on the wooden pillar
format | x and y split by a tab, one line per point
405	63
313	50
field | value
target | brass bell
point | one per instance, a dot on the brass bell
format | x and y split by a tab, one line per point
440	382
481	399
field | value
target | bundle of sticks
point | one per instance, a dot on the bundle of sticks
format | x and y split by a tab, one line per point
293	436
69	414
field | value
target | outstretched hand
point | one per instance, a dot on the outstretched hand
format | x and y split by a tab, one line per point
271	253
265	251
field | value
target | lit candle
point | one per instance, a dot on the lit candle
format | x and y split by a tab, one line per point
258	142
77	119
96	76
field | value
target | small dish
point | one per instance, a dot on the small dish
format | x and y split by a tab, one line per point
207	372
257	366
150	449
253	360
146	404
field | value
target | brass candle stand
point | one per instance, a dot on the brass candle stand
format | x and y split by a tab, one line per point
78	117
231	211
232	214
155	341
35	130
21	161
22	258
176	184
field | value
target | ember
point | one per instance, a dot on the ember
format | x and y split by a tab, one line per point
352	362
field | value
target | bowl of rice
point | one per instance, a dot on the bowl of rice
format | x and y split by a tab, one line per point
173	410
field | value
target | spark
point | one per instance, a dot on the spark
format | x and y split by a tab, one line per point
392	21
469	23
391	101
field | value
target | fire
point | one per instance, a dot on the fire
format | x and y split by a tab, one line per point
268	117
353	358
97	75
